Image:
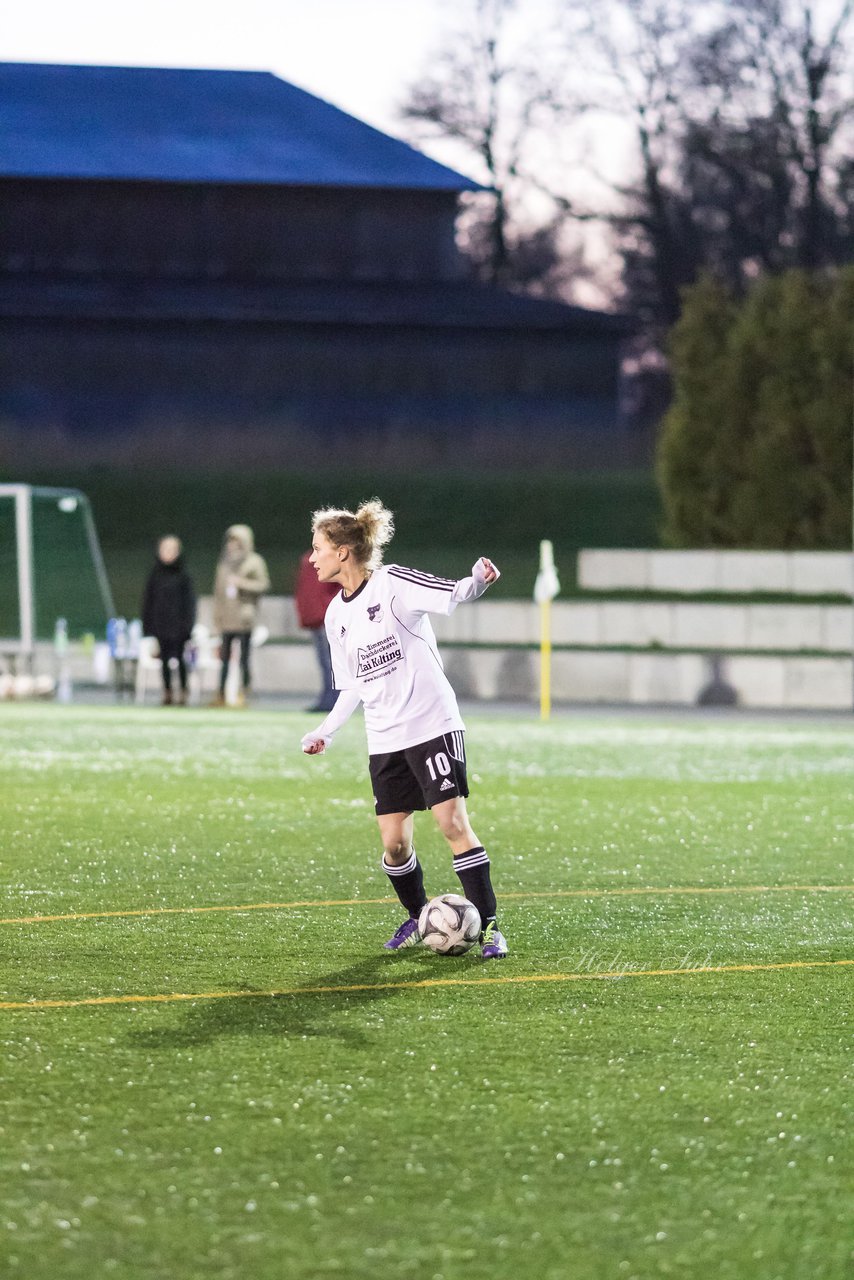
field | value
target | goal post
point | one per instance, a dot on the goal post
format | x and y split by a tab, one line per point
51	567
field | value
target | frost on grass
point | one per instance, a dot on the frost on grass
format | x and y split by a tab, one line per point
135	744
687	752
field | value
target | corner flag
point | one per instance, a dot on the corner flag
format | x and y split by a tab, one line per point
546	588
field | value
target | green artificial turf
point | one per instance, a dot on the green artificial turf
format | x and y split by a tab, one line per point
656	1082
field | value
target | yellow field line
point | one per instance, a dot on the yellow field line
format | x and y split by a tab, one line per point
173	997
189	911
650	891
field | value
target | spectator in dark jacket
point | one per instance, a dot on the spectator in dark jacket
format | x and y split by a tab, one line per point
169	613
311	599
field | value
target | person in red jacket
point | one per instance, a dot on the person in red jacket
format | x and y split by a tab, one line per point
311	599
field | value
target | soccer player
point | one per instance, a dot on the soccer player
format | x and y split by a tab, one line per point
384	656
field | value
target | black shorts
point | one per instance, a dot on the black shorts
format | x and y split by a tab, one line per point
419	777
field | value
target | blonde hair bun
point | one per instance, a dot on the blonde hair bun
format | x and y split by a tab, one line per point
365	531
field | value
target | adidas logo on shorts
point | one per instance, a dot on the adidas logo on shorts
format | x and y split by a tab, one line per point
447	785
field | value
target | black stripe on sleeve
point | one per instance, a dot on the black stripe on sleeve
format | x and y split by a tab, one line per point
421	579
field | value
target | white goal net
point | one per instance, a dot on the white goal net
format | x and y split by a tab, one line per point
51	567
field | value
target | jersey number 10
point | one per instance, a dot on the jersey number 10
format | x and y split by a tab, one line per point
438	761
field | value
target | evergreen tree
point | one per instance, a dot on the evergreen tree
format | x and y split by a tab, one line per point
756	450
694	469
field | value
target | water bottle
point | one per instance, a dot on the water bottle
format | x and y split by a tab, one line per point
60	637
63	672
134	639
120	637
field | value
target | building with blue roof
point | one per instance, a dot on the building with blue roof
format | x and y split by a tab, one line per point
222	248
153	124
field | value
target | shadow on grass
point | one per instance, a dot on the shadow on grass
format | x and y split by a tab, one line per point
300	1013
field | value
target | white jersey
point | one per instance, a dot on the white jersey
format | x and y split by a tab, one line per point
383	648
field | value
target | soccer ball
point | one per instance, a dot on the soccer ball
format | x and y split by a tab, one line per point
449	925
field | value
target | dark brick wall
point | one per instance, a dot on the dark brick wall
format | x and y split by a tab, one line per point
140	306
211	232
100	375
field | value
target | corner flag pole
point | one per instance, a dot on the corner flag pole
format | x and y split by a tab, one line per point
545	590
545	659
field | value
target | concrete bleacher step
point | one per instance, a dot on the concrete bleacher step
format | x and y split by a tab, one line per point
771	655
797	573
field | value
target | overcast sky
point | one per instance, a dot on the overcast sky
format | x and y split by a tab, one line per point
358	54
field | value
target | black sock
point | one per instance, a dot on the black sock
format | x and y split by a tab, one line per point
408	883
473	870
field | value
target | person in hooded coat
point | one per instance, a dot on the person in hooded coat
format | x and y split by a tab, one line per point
169	613
241	580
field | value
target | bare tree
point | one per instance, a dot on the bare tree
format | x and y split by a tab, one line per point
636	75
738	116
494	101
735	119
775	102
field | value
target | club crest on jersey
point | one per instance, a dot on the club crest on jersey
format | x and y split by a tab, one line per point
375	612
